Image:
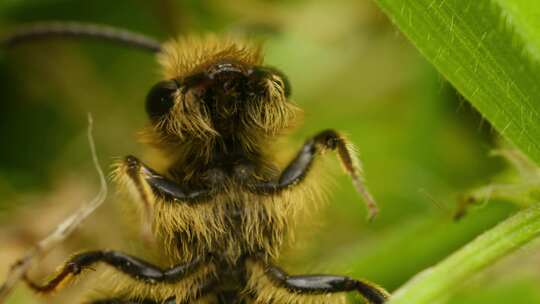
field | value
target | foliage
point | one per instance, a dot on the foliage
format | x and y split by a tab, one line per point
489	51
423	146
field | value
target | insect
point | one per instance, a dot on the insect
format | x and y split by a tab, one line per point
221	208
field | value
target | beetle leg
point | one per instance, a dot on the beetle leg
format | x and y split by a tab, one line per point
146	185
300	166
297	286
132	266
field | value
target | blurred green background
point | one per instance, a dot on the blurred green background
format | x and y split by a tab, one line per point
422	145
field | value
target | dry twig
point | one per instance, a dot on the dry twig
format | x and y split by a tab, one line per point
21	266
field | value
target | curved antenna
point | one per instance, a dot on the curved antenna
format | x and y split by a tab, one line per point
80	30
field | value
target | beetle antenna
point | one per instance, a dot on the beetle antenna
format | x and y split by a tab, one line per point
80	30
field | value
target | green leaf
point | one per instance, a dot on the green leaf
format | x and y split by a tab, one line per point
489	50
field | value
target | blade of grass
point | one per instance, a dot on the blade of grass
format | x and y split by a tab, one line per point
438	281
487	50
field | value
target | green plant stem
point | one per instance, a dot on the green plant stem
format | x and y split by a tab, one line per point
440	280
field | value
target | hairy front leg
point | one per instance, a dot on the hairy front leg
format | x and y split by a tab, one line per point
300	166
147	185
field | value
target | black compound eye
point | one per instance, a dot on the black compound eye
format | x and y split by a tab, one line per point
160	99
268	71
286	83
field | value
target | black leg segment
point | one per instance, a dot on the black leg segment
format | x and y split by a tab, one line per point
321	284
162	186
132	266
300	166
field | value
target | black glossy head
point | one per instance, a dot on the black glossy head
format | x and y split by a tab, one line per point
226	98
220	88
